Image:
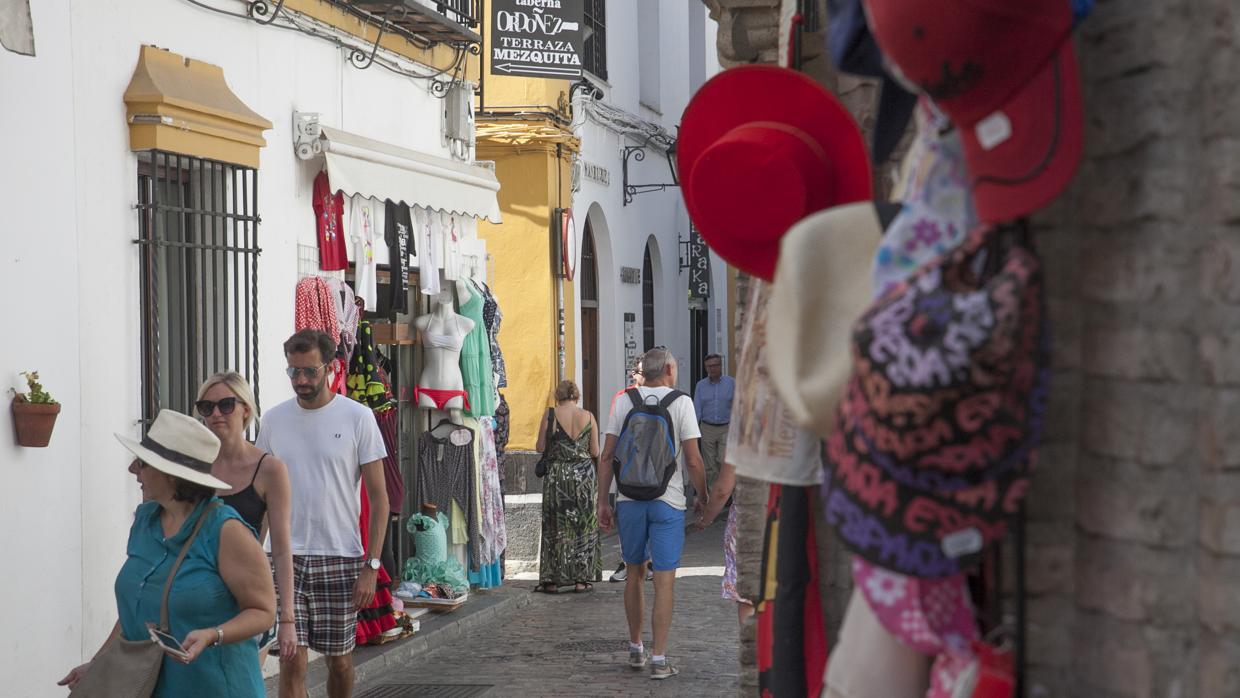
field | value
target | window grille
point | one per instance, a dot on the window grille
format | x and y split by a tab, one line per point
594	49
198	240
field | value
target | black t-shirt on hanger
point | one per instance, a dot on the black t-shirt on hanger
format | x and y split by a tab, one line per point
398	234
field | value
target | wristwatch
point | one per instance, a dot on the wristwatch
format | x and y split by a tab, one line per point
374	563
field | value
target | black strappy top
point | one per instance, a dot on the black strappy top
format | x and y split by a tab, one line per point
247	502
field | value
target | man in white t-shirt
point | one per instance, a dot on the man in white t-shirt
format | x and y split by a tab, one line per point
658	522
329	443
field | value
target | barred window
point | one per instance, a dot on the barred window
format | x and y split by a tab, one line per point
198	236
594	59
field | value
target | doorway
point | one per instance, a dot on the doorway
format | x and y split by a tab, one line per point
589	324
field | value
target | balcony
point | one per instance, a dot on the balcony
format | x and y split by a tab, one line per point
435	21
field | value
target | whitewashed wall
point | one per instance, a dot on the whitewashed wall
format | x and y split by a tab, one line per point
69	278
687	53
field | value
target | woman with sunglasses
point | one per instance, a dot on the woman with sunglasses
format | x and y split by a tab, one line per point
260	489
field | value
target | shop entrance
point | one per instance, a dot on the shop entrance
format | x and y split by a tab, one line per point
589	324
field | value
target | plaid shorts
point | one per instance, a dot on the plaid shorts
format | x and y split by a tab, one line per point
323	602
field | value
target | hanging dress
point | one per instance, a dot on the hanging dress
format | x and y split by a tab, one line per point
377	618
570	537
476	359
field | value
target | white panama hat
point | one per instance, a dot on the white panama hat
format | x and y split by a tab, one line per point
180	446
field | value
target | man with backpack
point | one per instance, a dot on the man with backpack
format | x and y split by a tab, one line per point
652	435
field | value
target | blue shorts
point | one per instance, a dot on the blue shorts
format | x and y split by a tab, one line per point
656	524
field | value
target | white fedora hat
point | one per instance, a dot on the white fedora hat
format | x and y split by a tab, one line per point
179	446
822	285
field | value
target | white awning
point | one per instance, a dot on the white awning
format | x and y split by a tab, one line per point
357	165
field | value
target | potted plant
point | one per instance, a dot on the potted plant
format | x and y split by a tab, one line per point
34	413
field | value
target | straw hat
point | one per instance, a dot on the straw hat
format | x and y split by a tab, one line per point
179	446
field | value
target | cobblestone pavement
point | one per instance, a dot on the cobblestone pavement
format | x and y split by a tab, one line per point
576	644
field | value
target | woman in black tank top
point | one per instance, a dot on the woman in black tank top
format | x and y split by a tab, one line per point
260	488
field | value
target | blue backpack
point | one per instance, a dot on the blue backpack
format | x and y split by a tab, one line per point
645	457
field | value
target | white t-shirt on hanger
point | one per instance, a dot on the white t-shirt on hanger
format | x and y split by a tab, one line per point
428	259
451	235
365	216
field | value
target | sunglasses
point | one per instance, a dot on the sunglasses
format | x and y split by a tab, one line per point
225	406
310	372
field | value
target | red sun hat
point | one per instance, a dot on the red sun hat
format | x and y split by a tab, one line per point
760	148
1006	75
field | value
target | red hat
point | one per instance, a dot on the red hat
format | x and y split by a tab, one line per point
1006	75
760	148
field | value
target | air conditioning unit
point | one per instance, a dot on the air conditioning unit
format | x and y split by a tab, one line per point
459	112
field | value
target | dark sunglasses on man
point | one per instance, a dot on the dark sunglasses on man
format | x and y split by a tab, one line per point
207	407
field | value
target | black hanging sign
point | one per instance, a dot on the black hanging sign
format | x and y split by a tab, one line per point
699	267
537	38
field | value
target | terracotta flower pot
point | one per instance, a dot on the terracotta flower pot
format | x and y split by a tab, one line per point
33	422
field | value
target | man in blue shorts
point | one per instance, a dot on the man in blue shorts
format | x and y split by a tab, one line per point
659	523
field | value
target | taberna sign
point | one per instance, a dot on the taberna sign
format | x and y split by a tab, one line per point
537	38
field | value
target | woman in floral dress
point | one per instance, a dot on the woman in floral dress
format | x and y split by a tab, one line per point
570	535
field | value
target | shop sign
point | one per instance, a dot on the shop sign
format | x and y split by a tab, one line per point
537	38
596	173
699	267
630	345
630	275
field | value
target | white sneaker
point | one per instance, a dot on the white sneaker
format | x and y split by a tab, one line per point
620	574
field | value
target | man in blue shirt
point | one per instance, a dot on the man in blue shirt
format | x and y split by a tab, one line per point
712	398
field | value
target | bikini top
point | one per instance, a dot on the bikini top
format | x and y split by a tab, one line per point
443	341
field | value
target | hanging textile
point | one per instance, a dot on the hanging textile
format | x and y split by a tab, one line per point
446	477
398	234
494	528
429	253
451	234
329	224
502	416
314	308
365	383
476	358
792	644
375	619
388	427
493	316
366	227
347	314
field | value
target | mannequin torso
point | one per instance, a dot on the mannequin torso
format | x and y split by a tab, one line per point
440	385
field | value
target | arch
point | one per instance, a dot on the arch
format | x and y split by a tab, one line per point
607	325
652	272
589	321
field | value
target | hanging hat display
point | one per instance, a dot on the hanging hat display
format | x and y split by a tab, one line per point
822	284
1006	74
938	428
760	148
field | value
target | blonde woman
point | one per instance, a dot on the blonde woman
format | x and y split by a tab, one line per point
260	490
570	536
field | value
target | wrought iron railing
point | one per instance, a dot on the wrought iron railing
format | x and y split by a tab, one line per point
466	12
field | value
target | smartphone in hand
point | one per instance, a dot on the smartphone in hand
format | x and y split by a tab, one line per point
169	643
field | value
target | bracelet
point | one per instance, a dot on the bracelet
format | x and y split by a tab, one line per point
219	635
282	622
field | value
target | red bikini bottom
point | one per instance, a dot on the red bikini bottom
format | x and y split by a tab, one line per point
439	397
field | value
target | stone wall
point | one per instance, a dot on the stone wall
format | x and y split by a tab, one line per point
1133	553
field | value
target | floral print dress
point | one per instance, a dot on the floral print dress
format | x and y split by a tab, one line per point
570	535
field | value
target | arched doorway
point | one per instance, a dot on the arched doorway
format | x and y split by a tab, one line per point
648	342
589	323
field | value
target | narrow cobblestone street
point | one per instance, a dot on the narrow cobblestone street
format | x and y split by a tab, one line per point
575	644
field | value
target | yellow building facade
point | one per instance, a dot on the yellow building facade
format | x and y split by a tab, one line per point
523	127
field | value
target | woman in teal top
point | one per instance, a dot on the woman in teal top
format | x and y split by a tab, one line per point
222	595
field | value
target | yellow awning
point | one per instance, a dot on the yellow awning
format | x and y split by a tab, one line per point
181	105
